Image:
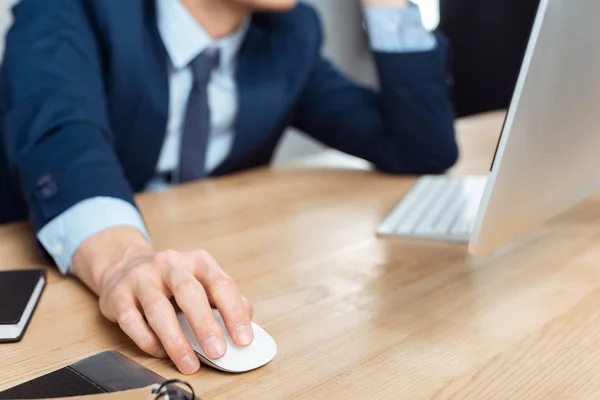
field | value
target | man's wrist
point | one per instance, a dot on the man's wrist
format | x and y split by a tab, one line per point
62	236
106	252
394	29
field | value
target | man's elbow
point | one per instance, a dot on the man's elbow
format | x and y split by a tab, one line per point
423	164
439	161
433	159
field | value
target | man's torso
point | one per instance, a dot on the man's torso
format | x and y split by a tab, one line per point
273	64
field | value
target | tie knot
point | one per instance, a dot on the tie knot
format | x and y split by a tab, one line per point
204	64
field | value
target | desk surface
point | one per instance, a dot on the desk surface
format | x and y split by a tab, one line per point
356	316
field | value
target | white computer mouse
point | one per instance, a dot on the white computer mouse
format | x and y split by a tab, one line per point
236	359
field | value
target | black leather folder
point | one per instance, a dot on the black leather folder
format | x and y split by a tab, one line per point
103	373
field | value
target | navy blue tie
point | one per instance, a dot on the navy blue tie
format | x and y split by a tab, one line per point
196	129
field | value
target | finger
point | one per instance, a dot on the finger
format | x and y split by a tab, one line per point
247	304
119	306
226	297
132	322
249	307
192	300
161	317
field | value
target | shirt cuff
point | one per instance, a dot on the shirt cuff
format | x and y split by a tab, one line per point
399	30
63	235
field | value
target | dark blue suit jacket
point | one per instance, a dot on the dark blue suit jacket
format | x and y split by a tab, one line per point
84	96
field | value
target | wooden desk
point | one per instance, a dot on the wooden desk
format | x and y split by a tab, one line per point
355	316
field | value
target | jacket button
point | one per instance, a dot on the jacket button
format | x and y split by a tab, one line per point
47	186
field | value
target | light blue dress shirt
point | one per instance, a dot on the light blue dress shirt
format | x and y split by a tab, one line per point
390	30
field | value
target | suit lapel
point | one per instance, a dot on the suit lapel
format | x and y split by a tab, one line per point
153	104
261	96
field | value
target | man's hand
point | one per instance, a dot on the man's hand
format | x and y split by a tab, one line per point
134	281
386	3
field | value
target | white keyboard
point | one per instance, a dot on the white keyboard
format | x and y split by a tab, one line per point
437	207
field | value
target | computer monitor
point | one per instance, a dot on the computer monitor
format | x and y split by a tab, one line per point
548	157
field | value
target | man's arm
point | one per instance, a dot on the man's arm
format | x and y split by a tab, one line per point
55	129
55	123
60	146
406	127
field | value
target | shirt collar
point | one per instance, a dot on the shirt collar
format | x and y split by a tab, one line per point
185	39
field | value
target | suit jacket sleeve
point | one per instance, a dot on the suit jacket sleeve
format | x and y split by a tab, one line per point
406	127
55	123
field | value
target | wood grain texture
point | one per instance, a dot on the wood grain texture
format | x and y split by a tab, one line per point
356	316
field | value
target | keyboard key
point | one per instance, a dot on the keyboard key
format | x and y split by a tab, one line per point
420	206
405	207
429	224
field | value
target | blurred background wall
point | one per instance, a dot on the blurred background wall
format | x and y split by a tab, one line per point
5	19
489	39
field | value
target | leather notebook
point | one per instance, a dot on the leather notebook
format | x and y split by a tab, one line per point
20	292
103	373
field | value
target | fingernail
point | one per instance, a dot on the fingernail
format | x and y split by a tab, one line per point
215	348
189	364
243	335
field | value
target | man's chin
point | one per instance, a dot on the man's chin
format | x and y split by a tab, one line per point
270	5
